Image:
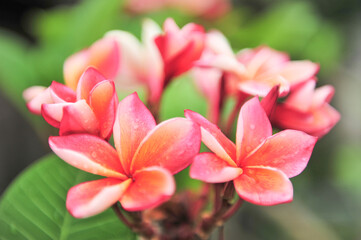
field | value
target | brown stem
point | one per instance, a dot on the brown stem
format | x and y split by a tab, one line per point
221	233
232	210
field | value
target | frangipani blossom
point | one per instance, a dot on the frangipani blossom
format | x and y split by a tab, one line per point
260	164
256	71
307	109
103	55
139	170
91	109
179	48
141	63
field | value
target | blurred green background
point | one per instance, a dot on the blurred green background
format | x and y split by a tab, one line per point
37	36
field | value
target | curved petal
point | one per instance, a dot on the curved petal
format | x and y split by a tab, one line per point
213	138
209	168
88	153
253	128
74	67
299	71
288	151
301	98
87	82
103	101
322	95
78	118
61	93
133	122
269	102
171	145
151	187
264	186
35	97
53	113
90	198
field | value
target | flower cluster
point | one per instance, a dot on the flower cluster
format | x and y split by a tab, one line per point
139	169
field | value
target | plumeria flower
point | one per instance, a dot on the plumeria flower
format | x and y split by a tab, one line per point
179	48
141	63
102	55
90	109
256	71
260	164
307	109
139	170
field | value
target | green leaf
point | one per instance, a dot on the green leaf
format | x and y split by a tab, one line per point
33	207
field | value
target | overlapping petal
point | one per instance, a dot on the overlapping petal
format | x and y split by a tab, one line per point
172	145
133	122
88	80
150	187
90	198
288	151
210	168
88	153
35	97
264	186
253	128
214	139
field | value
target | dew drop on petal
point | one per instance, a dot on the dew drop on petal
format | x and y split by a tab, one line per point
252	126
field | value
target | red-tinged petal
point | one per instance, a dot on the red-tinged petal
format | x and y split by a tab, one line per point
133	122
210	168
322	95
90	198
213	138
269	102
301	98
105	57
36	97
88	153
61	93
78	118
325	118
87	82
171	145
104	100
151	187
288	151
299	71
262	86
53	113
253	128
264	186
74	67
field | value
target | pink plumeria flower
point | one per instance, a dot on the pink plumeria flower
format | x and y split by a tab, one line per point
141	63
308	109
179	48
259	164
256	71
139	170
102	55
90	109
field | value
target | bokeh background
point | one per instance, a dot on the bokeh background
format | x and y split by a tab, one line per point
36	36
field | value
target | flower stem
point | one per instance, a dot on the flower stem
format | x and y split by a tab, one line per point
240	100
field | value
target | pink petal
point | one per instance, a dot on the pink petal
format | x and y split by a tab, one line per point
104	100
90	198
264	186
171	145
322	95
78	118
288	151
151	187
61	93
213	138
301	98
74	67
325	118
263	85
53	113
299	71
208	167
253	128
88	153
36	97
133	122
87	82
269	102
